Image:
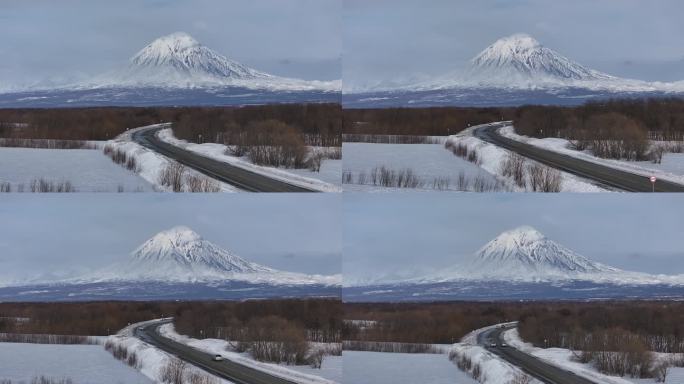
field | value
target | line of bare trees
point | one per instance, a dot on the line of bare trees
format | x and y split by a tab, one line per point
437	121
41	380
177	371
177	178
531	175
13	142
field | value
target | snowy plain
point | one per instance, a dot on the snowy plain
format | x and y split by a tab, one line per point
330	372
88	170
83	364
564	358
671	168
327	180
362	367
428	161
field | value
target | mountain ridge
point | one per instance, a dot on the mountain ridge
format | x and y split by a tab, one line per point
525	255
178	61
180	255
520	62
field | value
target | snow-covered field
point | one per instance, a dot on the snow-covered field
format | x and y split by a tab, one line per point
401	368
88	170
564	358
330	372
671	168
327	180
493	156
84	364
431	163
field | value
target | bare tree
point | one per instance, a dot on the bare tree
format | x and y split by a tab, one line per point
172	176
173	372
514	166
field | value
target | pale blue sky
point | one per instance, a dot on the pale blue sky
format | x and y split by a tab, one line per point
73	38
59	233
387	40
417	233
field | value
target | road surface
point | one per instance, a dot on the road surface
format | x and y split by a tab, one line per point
236	176
607	176
237	373
492	340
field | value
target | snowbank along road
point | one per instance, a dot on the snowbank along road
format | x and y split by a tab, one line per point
226	369
601	174
236	176
492	340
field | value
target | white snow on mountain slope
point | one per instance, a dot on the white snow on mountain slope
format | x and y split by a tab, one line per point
521	62
181	255
178	60
182	53
524	58
526	251
524	254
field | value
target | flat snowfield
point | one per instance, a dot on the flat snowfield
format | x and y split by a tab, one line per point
429	162
331	369
88	170
81	363
401	368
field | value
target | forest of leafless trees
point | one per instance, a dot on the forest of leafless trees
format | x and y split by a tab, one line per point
616	129
438	121
618	338
320	318
314	124
659	325
279	331
290	331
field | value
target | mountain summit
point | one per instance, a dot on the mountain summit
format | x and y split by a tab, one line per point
525	253
521	60
179	56
181	250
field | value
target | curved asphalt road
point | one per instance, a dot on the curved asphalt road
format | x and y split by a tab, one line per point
492	340
229	370
601	174
236	176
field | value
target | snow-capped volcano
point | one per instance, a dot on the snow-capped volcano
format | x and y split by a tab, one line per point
521	58
521	63
181	255
525	253
179	61
179	55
